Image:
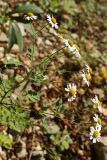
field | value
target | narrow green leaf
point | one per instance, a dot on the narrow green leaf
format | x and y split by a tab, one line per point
19	36
27	8
29	28
11	36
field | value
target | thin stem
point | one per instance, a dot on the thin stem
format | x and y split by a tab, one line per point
27	77
5	94
38	30
51	56
41	29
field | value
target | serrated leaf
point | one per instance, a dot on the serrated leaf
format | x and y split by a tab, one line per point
19	36
32	96
28	8
15	118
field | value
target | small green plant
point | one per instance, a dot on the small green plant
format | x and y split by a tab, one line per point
5	140
61	139
14	117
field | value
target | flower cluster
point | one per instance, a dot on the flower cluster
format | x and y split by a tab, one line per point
95	134
71	89
86	74
72	47
97	103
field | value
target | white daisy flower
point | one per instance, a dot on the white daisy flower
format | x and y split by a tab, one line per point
97	102
30	16
72	90
52	21
68	43
97	119
75	50
95	134
86	77
72	47
88	68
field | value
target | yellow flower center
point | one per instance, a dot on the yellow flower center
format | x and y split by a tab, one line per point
94	106
99	103
77	47
96	134
99	121
90	70
70	42
88	77
53	20
103	72
72	92
30	14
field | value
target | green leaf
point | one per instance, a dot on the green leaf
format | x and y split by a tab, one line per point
29	28
12	61
15	36
11	35
70	7
28	8
19	78
32	51
37	77
19	36
14	117
32	96
6	90
65	145
5	140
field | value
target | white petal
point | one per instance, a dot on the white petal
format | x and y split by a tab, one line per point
93	100
77	54
95	117
99	139
48	16
91	137
98	127
92	129
94	140
96	98
100	108
72	49
66	42
56	25
70	86
35	17
66	89
69	99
